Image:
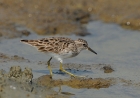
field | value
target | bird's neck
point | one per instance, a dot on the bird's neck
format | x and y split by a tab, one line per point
78	45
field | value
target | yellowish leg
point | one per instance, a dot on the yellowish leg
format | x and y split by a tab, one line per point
62	69
60	89
49	67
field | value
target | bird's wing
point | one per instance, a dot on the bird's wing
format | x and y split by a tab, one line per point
54	44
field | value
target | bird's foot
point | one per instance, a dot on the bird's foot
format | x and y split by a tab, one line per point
76	76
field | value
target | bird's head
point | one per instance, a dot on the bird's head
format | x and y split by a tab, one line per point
83	45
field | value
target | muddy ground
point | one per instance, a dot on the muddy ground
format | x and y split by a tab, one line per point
18	82
20	17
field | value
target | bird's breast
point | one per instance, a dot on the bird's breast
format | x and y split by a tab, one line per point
68	54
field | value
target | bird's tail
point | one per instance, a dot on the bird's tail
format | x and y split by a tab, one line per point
24	41
30	42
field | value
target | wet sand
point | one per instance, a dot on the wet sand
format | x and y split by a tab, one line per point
18	82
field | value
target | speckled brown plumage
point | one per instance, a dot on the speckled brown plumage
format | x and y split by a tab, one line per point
60	47
53	44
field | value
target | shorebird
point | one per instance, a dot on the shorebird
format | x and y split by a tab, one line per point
60	48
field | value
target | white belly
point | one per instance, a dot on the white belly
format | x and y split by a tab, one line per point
68	54
64	55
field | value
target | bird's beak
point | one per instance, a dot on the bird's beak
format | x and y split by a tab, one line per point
91	50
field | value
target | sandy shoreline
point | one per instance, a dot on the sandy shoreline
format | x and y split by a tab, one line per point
19	80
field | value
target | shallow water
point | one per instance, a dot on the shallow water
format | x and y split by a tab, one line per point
115	46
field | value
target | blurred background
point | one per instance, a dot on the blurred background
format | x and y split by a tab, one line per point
50	17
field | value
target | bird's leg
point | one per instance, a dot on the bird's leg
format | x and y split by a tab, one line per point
60	89
62	69
49	67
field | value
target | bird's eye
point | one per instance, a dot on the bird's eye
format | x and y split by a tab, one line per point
84	45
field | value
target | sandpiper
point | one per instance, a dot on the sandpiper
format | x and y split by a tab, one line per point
60	48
